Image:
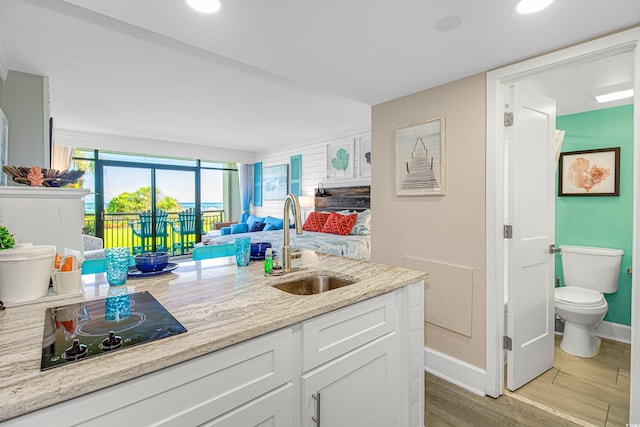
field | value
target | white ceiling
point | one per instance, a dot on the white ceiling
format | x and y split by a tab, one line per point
271	73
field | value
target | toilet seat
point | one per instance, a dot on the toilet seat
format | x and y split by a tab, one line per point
580	297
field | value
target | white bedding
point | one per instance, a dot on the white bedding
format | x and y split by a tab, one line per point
358	247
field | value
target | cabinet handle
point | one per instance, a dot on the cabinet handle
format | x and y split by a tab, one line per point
316	418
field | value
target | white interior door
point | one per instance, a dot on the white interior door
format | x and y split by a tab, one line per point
531	212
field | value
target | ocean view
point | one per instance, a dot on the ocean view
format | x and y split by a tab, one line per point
90	207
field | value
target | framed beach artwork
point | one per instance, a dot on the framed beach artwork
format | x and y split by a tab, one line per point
420	159
364	146
589	173
275	182
4	146
340	159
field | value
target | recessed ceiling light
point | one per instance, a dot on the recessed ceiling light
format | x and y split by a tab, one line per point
205	6
532	6
448	23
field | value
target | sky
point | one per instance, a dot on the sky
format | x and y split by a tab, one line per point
177	184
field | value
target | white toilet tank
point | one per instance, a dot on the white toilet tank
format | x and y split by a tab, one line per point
591	268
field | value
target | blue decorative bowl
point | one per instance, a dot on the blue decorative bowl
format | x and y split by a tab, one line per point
258	249
151	261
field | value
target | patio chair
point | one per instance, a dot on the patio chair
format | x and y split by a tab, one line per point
143	231
213	251
186	229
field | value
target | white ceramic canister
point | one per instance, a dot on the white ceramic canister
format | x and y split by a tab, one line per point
25	272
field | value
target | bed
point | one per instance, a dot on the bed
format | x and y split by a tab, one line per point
339	200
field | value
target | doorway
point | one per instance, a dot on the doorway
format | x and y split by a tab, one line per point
602	48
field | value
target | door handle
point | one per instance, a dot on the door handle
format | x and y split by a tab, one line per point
316	417
553	249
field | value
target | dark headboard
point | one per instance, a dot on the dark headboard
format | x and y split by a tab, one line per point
341	198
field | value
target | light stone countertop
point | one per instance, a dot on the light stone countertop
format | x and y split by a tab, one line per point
219	304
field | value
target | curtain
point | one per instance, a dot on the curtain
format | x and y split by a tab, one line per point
61	158
245	175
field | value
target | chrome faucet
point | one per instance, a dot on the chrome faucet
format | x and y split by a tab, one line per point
287	255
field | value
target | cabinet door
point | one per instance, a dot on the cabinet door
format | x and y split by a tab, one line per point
357	389
273	409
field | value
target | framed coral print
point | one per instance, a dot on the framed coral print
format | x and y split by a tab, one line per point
275	182
340	159
589	173
364	146
420	159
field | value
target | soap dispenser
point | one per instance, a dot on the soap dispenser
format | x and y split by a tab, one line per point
268	261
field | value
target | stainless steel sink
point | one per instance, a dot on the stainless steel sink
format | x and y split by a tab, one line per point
316	283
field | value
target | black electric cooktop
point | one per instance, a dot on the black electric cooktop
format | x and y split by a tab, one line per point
88	329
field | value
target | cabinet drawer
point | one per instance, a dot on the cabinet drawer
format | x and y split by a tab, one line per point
334	334
272	409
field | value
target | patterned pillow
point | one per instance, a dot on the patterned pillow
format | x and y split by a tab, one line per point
315	221
339	224
362	227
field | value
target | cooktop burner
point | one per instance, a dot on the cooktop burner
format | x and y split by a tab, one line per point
84	330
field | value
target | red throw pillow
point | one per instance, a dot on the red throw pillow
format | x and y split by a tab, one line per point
339	224
315	221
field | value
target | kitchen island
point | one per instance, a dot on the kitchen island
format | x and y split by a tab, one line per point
226	310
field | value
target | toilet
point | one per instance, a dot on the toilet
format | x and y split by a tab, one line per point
588	273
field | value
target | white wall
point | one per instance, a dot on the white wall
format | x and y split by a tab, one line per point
25	102
442	235
314	171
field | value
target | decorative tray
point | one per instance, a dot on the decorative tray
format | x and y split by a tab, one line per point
135	273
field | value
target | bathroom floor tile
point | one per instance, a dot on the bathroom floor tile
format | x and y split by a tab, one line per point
595	390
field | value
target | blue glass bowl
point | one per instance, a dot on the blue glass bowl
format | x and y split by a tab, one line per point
259	248
151	261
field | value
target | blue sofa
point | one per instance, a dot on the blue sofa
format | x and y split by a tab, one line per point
254	223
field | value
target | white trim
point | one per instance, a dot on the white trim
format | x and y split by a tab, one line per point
634	403
614	332
3	67
496	79
462	374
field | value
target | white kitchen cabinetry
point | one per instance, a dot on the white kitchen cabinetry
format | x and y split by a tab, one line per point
362	364
357	389
191	393
350	364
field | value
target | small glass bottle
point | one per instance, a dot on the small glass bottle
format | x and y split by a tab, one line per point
268	261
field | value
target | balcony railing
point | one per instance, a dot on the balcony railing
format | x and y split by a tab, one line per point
117	231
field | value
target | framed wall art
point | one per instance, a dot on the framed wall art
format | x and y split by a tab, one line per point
589	173
340	159
420	159
364	146
275	182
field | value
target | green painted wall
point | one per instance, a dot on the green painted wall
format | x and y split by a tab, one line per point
601	221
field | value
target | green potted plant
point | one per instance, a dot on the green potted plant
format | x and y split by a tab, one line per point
6	239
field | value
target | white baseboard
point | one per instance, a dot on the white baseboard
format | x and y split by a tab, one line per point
614	332
455	371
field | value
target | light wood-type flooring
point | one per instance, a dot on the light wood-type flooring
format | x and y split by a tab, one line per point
577	391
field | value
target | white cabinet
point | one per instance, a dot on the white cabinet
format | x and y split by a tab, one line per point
350	365
357	389
191	393
360	365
